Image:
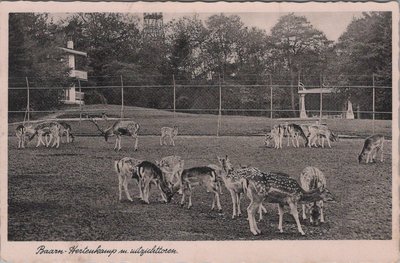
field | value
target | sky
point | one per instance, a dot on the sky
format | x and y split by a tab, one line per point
333	24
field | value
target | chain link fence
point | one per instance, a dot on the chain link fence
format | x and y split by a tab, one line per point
207	106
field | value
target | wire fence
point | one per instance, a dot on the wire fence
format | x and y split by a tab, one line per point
270	96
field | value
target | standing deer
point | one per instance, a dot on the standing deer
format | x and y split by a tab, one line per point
119	128
168	133
281	189
372	145
66	130
125	169
234	184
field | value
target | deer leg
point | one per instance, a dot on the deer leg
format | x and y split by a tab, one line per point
218	201
381	148
233	195
322	211
173	141
125	184
252	210
303	208
280	212
161	140
136	142
295	214
120	187
237	196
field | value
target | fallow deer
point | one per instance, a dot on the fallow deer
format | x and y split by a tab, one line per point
149	173
281	189
125	168
23	133
120	128
172	167
234	184
66	130
312	178
47	130
294	132
372	145
322	131
203	176
168	133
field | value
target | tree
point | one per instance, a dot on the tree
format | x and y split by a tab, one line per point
34	40
297	47
365	48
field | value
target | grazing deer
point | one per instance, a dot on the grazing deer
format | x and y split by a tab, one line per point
281	189
295	131
125	168
168	132
47	130
66	130
322	131
234	184
149	173
119	128
372	145
205	176
172	167
312	178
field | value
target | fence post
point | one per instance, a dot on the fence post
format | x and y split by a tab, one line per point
220	105
373	103
27	101
122	97
173	82
270	85
80	102
320	100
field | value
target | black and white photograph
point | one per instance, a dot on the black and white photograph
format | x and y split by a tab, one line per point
149	125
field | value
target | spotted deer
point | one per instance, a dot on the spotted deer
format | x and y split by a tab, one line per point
312	178
372	145
233	182
168	133
118	129
203	176
281	189
125	169
275	135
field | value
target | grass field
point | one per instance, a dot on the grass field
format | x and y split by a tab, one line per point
71	193
151	121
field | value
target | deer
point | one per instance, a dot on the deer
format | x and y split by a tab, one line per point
278	188
172	167
312	178
294	132
234	184
119	128
372	145
204	176
66	130
22	132
149	173
316	131
276	135
168	132
125	169
48	131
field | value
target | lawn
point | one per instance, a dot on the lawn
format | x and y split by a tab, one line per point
152	120
71	193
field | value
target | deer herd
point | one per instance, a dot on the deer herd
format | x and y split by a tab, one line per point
170	176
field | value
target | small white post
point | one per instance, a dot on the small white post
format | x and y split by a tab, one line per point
27	100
